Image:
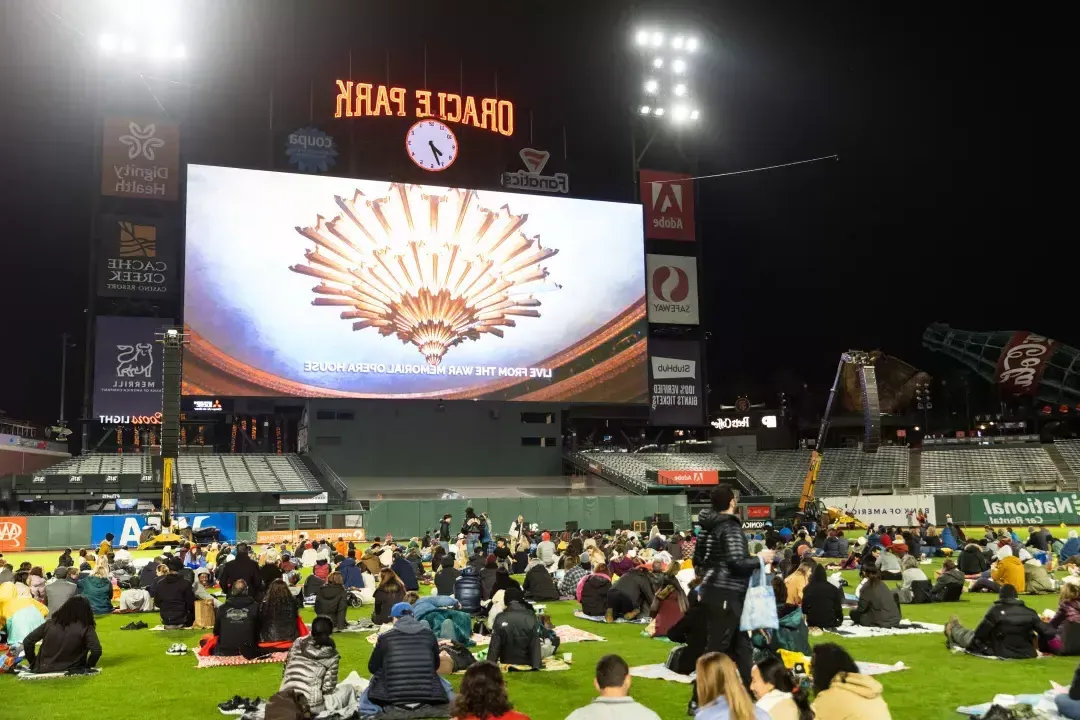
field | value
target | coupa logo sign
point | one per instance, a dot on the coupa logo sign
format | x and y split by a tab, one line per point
311	150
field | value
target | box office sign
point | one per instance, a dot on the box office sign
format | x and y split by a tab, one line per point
140	158
1025	509
137	258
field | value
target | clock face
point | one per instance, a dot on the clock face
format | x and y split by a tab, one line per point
431	145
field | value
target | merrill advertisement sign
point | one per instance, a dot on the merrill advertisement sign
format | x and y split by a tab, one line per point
127	369
137	259
672	289
886	509
1025	509
127	528
675	383
140	158
12	534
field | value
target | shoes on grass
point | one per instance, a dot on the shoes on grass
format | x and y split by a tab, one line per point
177	649
234	706
137	625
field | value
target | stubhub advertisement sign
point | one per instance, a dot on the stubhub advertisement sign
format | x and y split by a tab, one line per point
127	528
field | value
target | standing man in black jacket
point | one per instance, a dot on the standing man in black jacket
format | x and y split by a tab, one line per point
724	565
242	567
444	531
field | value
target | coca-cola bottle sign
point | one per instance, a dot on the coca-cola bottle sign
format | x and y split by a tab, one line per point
1023	361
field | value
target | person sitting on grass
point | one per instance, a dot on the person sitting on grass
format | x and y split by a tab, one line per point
777	692
98	589
488	571
916	586
1068	703
841	692
469	590
1068	611
405	571
174	597
59	589
793	634
389	593
332	600
539	584
446	575
720	691
888	563
19	616
515	639
483	696
311	671
669	604
279	621
1037	581
1009	629
797	581
823	602
135	598
36	582
631	595
950	583
612	681
69	640
877	605
1070	548
236	625
570	579
404	667
1005	570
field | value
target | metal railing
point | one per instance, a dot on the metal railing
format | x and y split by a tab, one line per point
329	473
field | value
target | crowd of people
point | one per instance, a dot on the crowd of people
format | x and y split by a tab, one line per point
429	595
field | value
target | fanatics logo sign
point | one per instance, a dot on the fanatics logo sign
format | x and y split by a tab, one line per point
669	205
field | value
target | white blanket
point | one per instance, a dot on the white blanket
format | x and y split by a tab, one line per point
907	627
600	618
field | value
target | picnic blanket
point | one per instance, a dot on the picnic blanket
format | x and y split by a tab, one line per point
551	664
601	619
960	650
161	628
206	661
361	625
49	676
569	634
660	672
476	639
1043	703
851	630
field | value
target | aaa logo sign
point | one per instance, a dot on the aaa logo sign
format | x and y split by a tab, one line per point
12	534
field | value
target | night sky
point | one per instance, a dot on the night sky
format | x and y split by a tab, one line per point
947	202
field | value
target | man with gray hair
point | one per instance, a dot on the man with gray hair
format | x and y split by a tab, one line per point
59	589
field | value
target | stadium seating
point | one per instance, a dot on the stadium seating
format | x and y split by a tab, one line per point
247	473
1070	451
986	469
779	472
102	464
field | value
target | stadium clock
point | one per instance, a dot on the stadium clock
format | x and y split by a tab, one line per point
431	145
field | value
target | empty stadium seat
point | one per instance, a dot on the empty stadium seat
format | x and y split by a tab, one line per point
246	473
986	469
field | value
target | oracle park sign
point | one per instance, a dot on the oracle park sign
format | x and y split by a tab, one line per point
1025	509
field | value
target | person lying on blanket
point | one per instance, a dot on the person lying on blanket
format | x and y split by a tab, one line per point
1009	629
68	640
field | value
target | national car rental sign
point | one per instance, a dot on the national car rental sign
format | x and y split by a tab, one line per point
669	205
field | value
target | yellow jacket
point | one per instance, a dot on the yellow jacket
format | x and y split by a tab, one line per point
1009	571
795	584
851	697
11	603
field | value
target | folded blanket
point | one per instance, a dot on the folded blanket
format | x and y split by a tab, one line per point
661	672
49	676
906	627
601	619
569	634
206	661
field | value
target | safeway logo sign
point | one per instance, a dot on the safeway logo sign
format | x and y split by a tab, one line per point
672	291
669	205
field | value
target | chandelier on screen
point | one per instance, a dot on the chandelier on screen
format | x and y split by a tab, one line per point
431	266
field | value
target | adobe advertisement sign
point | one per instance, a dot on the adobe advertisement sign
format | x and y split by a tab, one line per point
140	158
137	259
688	477
672	289
127	369
669	205
676	384
1023	362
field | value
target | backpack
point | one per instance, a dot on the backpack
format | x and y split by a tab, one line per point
287	705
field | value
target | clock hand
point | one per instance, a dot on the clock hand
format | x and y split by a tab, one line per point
435	152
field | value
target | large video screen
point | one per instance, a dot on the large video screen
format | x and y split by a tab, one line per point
304	286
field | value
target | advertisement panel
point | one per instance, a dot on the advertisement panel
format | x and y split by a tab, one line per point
140	158
127	370
676	383
12	534
126	528
668	199
688	477
273	537
1025	509
758	512
672	289
898	510
137	258
310	150
358	288
1023	362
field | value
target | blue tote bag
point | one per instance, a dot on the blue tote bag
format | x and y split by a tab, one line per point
759	608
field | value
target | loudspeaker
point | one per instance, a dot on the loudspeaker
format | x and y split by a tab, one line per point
871	408
171	373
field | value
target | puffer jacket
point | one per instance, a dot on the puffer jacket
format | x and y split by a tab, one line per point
311	670
721	557
403	666
851	696
469	591
332	600
514	637
972	561
1070	548
1067	612
539	585
278	623
1008	630
1036	580
636	585
832	548
593	594
99	592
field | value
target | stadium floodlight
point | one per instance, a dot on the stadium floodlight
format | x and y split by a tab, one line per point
691	44
107	43
680	89
172	332
179	52
645	109
651	86
680	113
678	66
642	38
657	39
677	42
695	114
658	63
127	46
659	112
431	268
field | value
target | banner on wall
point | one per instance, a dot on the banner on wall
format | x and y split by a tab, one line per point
676	383
127	370
672	289
273	537
886	509
137	258
1025	509
140	158
12	534
127	528
688	477
668	199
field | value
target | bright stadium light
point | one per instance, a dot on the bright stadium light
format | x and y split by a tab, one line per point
658	63
179	52
107	43
695	114
642	38
692	44
645	109
678	66
680	113
657	39
651	86
680	89
659	112
677	42
127	46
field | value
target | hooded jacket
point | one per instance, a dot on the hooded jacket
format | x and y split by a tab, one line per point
469	591
332	600
514	637
1009	571
593	593
972	561
823	604
539	585
371	561
403	666
636	585
721	557
311	670
1070	548
948	577
1036	580
851	696
351	574
237	627
277	623
446	576
1008	630
175	599
877	607
62	649
99	592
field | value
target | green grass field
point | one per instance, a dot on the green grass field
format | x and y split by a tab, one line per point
136	669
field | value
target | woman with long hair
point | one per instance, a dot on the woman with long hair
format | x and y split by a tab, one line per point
278	615
311	671
1068	612
389	592
483	696
720	691
68	640
777	692
669	604
331	600
36	581
840	690
98	589
877	604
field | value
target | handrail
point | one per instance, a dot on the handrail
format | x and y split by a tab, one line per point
326	470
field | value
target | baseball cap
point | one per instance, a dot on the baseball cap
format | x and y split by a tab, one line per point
400	609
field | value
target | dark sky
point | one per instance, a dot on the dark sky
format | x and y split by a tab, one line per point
948	202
